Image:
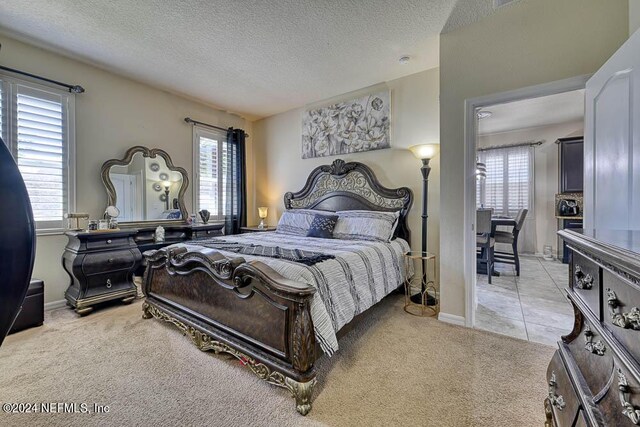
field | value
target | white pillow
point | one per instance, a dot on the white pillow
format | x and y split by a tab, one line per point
366	225
298	221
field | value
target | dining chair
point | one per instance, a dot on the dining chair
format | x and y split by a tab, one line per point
484	241
511	238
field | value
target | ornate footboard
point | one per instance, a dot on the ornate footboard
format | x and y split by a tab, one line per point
245	309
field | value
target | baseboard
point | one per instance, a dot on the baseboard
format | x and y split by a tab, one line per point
452	319
55	304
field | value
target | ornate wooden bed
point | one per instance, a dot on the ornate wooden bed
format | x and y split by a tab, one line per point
247	309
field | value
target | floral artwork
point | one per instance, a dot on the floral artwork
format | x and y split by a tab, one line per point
361	124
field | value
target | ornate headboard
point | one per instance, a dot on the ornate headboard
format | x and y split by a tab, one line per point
344	186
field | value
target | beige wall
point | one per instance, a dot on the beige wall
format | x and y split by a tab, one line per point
414	121
634	16
545	173
114	114
528	43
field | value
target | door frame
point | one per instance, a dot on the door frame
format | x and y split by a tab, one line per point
470	137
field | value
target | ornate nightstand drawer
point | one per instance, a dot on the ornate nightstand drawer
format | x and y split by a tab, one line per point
105	284
593	357
622	311
562	397
107	242
103	262
199	234
585	282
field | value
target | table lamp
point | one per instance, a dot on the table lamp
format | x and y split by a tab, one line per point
262	213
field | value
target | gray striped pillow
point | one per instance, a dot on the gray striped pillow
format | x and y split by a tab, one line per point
298	221
366	225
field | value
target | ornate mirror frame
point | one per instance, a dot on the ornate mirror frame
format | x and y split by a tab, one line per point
151	153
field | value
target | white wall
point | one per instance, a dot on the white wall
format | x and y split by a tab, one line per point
114	114
414	120
530	42
545	173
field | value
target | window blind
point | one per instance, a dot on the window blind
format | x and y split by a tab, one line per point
208	185
36	124
508	186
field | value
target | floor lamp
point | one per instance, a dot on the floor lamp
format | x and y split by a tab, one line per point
424	152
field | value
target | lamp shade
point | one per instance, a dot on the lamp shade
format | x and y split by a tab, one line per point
424	151
263	212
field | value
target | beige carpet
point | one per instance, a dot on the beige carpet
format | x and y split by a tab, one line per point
393	369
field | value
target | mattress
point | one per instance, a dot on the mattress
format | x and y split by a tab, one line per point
358	276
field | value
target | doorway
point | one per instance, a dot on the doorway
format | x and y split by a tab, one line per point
512	169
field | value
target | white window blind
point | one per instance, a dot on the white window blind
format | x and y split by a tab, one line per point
210	168
38	127
508	186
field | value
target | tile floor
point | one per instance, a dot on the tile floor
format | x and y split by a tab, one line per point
530	307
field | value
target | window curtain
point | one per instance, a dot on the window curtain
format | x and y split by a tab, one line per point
235	181
509	187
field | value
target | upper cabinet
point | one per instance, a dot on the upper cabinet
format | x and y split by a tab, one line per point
612	142
571	164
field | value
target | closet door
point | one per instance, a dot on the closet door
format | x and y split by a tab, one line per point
612	142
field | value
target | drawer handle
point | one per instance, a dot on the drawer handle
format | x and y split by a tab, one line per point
630	320
583	281
596	348
109	242
556	399
108	283
110	260
628	410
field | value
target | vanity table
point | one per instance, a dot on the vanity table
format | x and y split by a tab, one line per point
145	190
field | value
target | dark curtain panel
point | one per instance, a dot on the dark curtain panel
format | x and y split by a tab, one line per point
235	176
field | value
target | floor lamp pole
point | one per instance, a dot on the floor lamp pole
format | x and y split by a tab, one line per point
425	199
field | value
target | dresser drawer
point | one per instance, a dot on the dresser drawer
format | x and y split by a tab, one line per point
593	357
585	282
622	317
620	406
199	234
108	283
108	242
103	262
562	396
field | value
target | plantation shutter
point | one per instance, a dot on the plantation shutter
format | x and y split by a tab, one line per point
208	185
41	155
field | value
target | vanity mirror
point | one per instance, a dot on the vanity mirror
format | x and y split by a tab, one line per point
145	187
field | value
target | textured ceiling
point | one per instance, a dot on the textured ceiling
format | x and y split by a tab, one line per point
543	111
466	12
255	57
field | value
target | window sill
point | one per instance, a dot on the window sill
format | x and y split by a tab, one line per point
50	232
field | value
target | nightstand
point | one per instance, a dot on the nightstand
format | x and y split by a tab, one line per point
255	229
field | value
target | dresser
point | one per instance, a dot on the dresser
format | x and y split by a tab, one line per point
101	265
594	376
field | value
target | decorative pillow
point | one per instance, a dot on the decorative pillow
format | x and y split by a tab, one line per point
366	225
322	226
298	221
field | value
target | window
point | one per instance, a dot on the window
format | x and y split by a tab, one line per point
508	186
210	167
37	125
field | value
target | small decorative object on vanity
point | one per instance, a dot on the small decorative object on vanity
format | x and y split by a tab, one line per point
101	267
594	376
205	215
77	217
159	235
262	213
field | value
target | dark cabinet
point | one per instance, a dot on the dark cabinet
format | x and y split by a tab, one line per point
101	267
571	165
